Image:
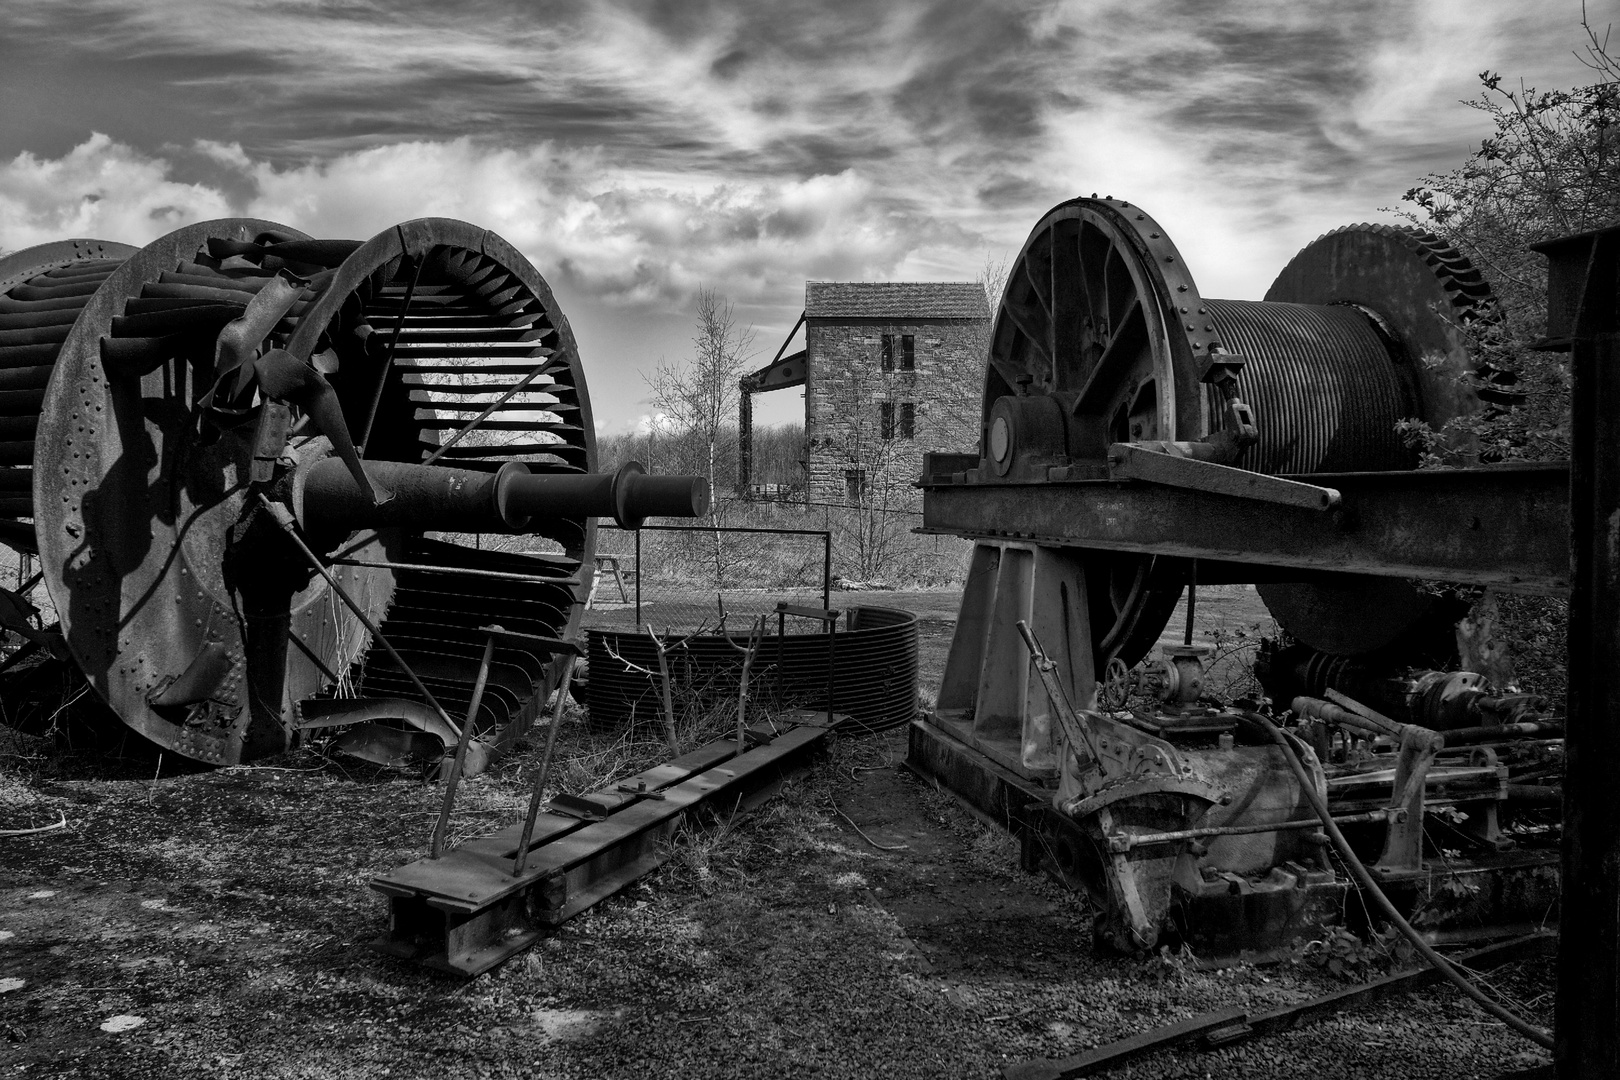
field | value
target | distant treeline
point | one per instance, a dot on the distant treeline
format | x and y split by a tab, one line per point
778	454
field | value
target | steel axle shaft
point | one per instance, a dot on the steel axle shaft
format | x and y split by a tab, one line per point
430	497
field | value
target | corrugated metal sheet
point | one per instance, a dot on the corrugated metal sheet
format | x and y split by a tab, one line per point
876	660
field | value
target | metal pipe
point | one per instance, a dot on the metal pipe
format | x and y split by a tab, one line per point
425	568
1536	794
740	528
478	420
425	497
1192	599
1336	714
388	361
284	518
1126	841
522	857
431	497
452	781
1504	732
1370	888
629	496
826	570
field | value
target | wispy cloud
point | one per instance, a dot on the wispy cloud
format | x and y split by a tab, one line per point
635	239
637	148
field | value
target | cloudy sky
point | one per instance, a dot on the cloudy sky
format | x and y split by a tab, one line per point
637	150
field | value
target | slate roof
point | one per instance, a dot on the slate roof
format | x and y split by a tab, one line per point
898	300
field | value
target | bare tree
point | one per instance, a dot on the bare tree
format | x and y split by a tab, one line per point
698	397
1550	167
994	279
779	458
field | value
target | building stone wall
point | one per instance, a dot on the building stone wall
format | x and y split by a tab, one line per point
847	387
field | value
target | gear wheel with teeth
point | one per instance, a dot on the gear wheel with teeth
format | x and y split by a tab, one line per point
1100	336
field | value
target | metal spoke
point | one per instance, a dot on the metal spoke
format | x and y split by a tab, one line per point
388	361
473	424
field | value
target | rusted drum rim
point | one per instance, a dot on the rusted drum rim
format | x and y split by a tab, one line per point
1099	311
1097	285
438	644
130	541
19	266
32	330
200	634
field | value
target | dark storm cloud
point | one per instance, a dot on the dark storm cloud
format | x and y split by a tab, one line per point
1006	190
850	79
812	155
1244	85
638	148
283	80
987	73
828	82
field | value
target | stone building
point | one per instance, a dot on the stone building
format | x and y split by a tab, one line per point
890	370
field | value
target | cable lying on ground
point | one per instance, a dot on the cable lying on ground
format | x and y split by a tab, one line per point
1365	879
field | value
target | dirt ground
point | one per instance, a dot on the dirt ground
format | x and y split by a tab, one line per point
215	924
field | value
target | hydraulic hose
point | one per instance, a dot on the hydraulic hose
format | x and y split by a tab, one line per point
1365	880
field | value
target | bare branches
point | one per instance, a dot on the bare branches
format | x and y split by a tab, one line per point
756	637
664	687
1550	167
697	399
1597	50
662	678
700	393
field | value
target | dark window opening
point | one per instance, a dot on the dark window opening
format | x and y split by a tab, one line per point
888	352
854	483
908	352
886	411
908	420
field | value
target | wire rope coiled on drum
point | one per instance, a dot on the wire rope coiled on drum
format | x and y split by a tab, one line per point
1101	337
1323	384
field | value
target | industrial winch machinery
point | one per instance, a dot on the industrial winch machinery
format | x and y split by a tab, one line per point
258	471
1140	440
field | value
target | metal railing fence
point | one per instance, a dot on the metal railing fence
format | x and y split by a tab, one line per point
677	577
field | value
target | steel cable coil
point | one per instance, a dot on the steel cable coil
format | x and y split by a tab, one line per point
1324	382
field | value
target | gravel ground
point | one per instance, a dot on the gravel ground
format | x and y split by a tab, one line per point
215	924
229	912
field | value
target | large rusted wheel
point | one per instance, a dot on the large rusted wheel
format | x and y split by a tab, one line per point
155	436
1099	338
1087	327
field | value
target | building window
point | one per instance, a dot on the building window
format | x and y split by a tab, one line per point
908	352
888	352
854	483
886	411
908	420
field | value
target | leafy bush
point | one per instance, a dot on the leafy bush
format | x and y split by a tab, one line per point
1551	167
